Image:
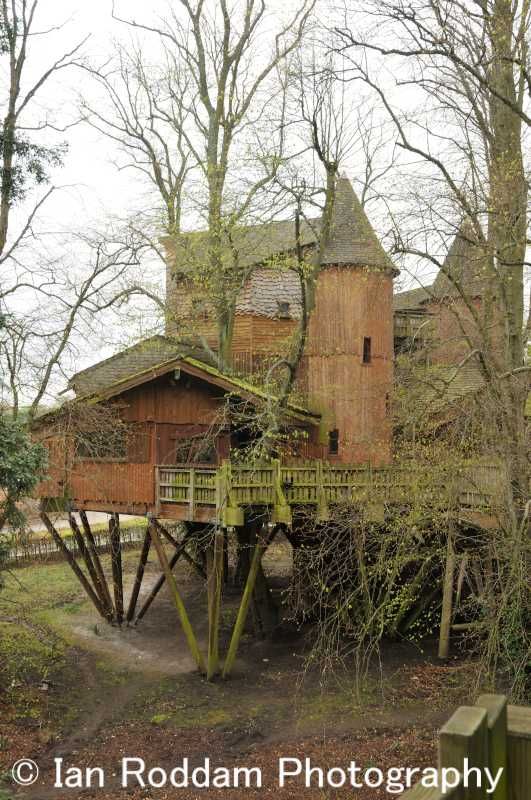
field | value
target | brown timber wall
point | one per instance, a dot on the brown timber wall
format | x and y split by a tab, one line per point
354	397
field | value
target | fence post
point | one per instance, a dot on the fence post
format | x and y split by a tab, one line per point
519	751
496	707
465	736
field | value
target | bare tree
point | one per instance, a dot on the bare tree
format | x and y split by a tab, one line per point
467	65
23	160
216	86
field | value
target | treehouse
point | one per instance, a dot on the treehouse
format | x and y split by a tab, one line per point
160	430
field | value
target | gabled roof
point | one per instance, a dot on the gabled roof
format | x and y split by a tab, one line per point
129	369
463	270
132	360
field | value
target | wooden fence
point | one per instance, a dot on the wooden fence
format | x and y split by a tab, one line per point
478	486
490	734
47	550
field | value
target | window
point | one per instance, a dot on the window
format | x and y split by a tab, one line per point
283	309
366	349
387	405
333	442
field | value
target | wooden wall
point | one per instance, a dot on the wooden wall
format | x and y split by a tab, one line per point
352	303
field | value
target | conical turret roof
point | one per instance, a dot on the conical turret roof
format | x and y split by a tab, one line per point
464	267
353	241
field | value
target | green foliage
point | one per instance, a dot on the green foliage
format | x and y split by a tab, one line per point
31	164
22	465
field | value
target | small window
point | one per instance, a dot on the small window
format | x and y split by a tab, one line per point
333	442
387	405
366	349
283	309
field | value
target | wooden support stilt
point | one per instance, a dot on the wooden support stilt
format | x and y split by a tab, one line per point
260	547
187	557
91	542
172	584
116	561
139	575
215	561
75	567
448	590
161	581
84	552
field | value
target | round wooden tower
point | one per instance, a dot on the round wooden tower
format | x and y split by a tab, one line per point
348	362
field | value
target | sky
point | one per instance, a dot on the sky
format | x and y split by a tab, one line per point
90	189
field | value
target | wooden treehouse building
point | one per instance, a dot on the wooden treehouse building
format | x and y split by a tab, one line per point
158	430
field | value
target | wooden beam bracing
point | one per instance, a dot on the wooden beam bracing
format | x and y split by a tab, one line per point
74	565
116	562
263	542
215	560
162	579
139	576
91	543
174	590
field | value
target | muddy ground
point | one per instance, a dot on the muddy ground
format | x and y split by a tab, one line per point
75	688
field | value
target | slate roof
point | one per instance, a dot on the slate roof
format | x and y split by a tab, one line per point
465	264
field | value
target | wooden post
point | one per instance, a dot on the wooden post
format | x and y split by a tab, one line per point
181	610
496	707
191	495
448	590
259	549
139	575
75	567
465	735
215	556
160	582
116	561
78	536
519	751
96	559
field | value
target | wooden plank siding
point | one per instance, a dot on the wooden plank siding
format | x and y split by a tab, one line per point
352	304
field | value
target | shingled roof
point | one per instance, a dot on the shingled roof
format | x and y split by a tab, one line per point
412	299
464	267
352	238
141	356
158	356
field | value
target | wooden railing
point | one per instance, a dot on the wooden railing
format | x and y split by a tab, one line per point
490	735
478	487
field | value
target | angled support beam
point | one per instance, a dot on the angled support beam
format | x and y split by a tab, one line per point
116	561
84	552
215	560
263	542
162	579
177	599
139	576
447	599
91	542
187	557
74	565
